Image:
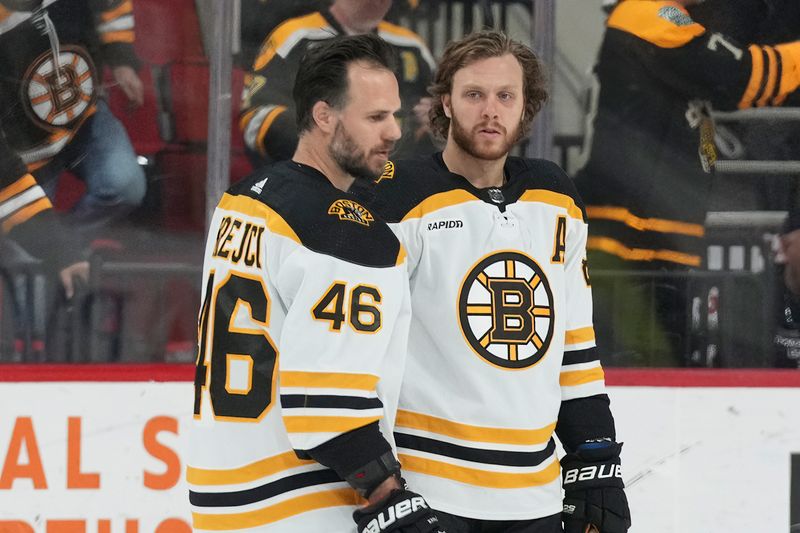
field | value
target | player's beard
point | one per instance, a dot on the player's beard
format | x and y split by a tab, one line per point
346	153
468	141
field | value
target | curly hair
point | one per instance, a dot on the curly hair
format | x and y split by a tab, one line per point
483	45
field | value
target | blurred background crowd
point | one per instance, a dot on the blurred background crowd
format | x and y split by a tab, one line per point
122	121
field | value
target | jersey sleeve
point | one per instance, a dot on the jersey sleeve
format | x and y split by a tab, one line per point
585	411
267	119
704	64
26	214
114	24
407	232
581	372
342	325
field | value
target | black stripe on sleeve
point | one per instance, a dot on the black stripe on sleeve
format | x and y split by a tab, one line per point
493	457
764	75
264	492
326	401
580	356
779	74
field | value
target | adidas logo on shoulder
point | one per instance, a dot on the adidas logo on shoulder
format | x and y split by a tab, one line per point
258	187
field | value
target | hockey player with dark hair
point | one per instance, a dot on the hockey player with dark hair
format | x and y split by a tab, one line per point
304	324
501	348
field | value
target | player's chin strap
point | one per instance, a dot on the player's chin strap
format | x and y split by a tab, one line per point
367	478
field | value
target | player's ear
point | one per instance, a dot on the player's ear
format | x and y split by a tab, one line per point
446	106
324	116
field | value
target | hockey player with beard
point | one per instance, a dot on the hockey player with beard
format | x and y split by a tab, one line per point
304	324
501	348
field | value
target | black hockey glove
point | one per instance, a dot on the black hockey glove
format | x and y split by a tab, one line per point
593	489
402	511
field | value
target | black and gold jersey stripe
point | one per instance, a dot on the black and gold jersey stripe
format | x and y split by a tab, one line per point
299	202
267	119
643	183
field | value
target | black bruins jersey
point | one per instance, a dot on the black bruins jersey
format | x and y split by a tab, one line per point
302	337
643	184
50	78
267	120
501	334
26	214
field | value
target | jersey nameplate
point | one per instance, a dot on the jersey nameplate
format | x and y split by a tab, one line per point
239	241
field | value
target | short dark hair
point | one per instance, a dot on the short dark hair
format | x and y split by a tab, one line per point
483	45
323	71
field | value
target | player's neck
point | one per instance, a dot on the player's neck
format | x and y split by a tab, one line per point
481	173
315	155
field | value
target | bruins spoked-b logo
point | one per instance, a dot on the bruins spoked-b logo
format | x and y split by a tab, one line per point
57	97
351	211
506	310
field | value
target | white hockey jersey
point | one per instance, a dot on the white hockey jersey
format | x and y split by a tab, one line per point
501	333
302	337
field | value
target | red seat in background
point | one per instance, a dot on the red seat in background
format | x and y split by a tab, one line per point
167	31
141	122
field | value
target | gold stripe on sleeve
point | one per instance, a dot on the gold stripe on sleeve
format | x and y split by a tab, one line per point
574	378
25	182
123	36
326	424
772	77
262	130
756	77
329	380
26	213
123	9
245	474
273	513
614	247
577	336
661	225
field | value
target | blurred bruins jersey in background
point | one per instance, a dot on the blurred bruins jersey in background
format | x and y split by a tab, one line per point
645	190
267	119
501	336
48	56
302	338
27	216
